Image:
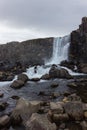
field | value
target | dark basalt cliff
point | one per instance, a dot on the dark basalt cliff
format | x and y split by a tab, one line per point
78	47
26	53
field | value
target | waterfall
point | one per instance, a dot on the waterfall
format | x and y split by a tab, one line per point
60	53
60	50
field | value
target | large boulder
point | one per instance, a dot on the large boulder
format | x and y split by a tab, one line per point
24	109
56	72
39	122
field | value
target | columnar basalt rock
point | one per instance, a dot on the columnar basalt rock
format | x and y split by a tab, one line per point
78	47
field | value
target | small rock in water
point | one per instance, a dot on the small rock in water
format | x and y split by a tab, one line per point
3	105
35	79
54	85
15	97
1	95
41	93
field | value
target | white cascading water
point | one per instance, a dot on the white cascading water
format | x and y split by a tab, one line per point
60	50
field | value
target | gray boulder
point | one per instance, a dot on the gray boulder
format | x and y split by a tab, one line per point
39	122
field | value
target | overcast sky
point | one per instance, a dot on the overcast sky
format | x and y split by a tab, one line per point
28	19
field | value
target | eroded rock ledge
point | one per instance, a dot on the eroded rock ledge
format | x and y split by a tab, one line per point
25	53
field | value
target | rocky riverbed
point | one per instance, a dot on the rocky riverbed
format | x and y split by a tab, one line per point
54	104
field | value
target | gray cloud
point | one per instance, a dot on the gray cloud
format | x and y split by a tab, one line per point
51	17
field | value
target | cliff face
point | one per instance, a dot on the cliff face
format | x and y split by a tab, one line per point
27	53
78	47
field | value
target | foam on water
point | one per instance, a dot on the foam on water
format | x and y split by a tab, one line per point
41	70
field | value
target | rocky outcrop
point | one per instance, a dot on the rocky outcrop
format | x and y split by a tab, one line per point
78	47
25	53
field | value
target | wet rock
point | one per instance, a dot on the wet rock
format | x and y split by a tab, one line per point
39	122
68	64
17	84
3	105
35	79
4	121
56	72
41	93
56	107
45	77
23	77
74	110
54	85
24	109
15	97
1	95
60	117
